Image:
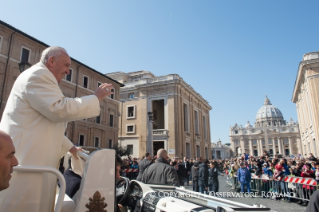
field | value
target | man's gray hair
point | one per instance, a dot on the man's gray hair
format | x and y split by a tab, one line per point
52	51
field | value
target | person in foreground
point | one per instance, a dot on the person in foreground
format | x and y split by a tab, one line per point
7	160
244	177
160	172
36	116
143	165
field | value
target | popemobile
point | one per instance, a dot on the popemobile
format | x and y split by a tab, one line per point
99	191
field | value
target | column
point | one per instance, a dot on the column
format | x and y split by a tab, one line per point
279	146
233	146
251	151
274	147
258	147
300	151
267	143
290	146
261	147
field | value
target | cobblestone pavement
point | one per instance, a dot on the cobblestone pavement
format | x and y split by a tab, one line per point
278	206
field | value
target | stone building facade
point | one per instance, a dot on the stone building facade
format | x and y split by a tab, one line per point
17	47
306	97
220	151
270	132
180	122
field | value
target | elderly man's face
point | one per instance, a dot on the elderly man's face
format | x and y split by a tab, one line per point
7	161
60	66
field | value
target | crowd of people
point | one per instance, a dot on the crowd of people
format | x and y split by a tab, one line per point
203	174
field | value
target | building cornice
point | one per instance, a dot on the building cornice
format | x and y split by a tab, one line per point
303	65
164	81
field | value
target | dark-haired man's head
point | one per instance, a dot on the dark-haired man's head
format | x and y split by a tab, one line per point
147	156
118	164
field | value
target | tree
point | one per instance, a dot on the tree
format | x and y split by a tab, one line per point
121	151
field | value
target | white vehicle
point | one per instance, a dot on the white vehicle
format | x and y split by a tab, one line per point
98	192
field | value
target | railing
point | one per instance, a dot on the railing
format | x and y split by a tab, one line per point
284	187
160	132
130	173
57	173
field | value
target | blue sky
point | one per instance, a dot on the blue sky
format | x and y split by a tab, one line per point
232	52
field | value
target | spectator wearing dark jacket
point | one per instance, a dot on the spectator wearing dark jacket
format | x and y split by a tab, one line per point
160	172
142	165
203	177
195	170
311	157
297	169
187	167
213	173
191	163
181	173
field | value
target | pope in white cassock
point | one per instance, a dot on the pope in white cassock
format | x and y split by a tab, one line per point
35	117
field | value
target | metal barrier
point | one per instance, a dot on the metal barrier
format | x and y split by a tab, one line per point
130	173
287	187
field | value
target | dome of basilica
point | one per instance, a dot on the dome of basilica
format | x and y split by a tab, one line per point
268	111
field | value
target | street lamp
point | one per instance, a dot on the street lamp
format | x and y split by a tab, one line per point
24	66
149	145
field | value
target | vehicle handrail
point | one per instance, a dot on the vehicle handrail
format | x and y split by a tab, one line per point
83	155
57	173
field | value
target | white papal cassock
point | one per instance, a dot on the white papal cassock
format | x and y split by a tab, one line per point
35	117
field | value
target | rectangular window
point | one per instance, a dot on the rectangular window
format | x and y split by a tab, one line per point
255	152
130	149
198	151
111	120
271	153
131	95
25	55
130	111
110	143
69	76
130	128
237	143
81	140
112	95
254	142
96	141
263	142
287	152
236	131
186	118
196	123
286	141
98	119
204	126
85	81
269	141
